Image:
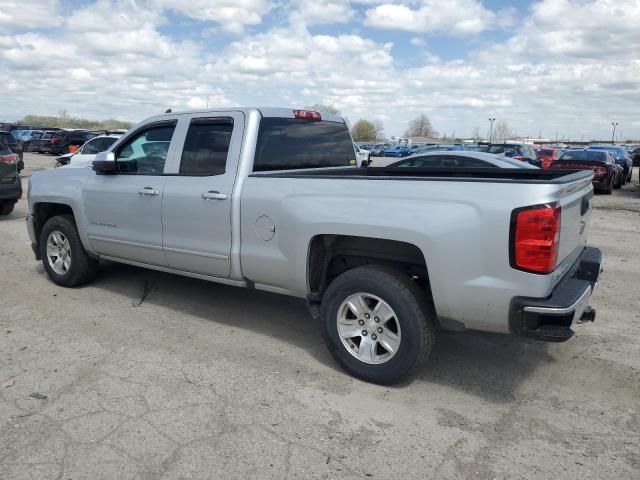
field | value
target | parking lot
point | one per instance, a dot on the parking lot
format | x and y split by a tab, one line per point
198	380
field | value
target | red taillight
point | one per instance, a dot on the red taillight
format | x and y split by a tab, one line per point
10	158
307	115
535	238
600	170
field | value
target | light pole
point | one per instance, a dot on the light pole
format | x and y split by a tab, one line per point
613	135
491	129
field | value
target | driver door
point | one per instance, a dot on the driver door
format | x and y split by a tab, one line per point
124	209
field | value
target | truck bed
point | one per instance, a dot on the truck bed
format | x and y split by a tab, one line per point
495	175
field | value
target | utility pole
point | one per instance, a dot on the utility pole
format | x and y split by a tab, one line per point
613	135
491	130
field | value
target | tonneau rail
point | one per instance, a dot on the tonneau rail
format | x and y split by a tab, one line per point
497	175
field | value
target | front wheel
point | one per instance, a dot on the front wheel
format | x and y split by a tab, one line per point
63	256
377	324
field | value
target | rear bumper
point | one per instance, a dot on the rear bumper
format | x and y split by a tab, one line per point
551	318
602	182
11	191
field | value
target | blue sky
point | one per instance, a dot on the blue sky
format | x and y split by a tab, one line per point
540	66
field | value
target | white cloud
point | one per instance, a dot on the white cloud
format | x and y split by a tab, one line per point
231	15
309	12
29	13
571	65
461	17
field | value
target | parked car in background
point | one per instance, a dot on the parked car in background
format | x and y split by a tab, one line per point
37	143
10	183
441	148
363	157
547	155
459	160
27	140
61	141
606	173
518	151
378	149
397	151
88	151
621	157
635	157
14	146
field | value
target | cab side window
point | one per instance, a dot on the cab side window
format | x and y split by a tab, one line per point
146	152
206	147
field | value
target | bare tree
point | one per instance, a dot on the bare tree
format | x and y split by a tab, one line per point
420	127
502	131
476	134
379	128
321	107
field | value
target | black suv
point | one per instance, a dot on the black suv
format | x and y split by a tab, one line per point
14	146
62	139
10	184
517	151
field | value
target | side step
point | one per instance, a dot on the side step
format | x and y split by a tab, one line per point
551	333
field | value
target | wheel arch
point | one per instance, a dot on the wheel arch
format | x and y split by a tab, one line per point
330	255
43	211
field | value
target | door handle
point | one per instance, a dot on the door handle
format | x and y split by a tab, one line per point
214	195
148	191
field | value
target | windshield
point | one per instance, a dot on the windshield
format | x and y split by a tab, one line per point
502	148
545	152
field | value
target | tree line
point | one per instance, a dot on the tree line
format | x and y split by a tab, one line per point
369	130
64	120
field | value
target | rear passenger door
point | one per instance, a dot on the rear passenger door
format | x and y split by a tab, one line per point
196	206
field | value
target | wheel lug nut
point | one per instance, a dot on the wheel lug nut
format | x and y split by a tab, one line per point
379	329
376	319
374	337
364	333
360	322
367	316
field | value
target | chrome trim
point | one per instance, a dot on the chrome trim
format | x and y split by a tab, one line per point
198	254
577	308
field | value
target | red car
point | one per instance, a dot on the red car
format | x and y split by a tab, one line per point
547	155
606	174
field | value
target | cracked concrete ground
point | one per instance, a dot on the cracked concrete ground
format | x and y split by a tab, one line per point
209	381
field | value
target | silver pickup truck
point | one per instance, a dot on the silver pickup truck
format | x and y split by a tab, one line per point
270	199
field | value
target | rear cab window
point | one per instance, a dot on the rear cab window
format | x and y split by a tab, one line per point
294	144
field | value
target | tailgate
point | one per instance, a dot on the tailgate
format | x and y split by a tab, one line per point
575	200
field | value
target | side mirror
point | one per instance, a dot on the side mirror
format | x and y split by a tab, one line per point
105	162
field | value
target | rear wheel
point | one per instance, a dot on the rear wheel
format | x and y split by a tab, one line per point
377	324
609	189
63	256
6	208
618	183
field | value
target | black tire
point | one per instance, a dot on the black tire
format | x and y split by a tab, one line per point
413	314
6	208
618	184
83	268
609	189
